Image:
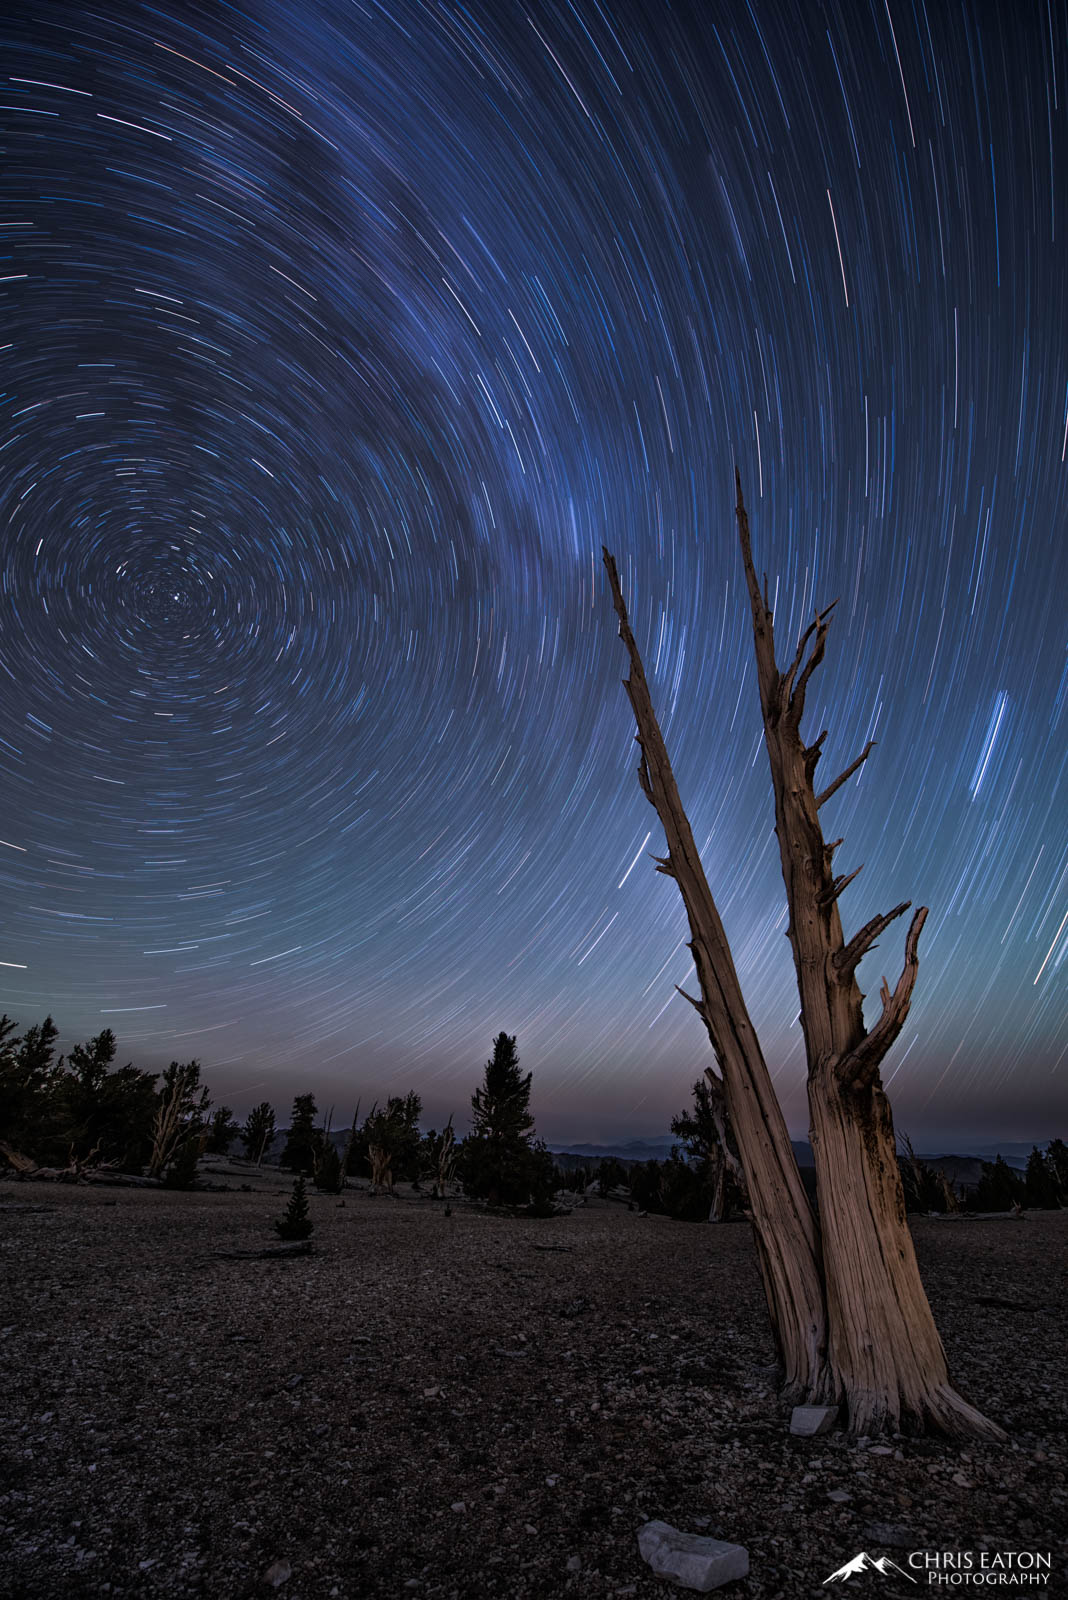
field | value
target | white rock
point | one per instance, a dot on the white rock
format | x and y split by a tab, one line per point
810	1420
277	1573
690	1559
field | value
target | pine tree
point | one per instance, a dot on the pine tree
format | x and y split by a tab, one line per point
28	1080
1039	1182
182	1108
182	1170
1057	1157
296	1224
500	1162
999	1188
222	1132
258	1132
108	1116
437	1158
329	1178
501	1106
709	1144
302	1143
391	1139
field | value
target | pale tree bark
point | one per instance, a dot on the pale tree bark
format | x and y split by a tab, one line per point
855	1277
445	1162
728	1161
885	1350
787	1240
381	1160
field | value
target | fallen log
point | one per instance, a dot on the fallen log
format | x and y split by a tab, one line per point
271	1252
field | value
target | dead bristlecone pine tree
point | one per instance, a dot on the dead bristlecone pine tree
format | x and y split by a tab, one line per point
847	1305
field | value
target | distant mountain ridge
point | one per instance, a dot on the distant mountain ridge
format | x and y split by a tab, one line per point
963	1165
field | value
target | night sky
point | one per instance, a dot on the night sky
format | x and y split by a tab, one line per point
336	341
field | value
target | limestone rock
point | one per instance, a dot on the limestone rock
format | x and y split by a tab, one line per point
690	1559
810	1420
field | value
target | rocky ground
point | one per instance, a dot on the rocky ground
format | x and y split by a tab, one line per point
472	1405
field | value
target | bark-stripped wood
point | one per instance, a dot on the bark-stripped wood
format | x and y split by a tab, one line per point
782	1218
885	1358
885	1351
729	1163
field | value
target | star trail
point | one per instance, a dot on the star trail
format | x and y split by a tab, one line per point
336	341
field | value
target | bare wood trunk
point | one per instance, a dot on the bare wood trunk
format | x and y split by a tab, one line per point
446	1162
718	1206
788	1243
717	1100
381	1161
886	1356
949	1194
885	1348
21	1163
349	1142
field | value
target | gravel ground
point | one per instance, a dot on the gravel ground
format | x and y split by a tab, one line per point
472	1405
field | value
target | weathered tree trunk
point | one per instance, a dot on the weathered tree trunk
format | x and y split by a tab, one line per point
718	1208
949	1194
788	1244
886	1356
445	1165
381	1160
846	1301
717	1100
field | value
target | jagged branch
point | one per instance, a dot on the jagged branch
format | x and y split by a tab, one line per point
813	752
698	1005
795	698
763	624
849	958
860	1067
845	776
788	679
837	885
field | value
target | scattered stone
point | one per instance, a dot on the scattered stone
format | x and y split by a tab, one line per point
277	1573
880	1450
891	1535
807	1421
690	1559
839	1496
574	1564
458	1506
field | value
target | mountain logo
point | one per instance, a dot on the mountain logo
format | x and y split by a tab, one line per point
866	1563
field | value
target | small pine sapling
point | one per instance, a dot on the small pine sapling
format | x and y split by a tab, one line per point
296	1224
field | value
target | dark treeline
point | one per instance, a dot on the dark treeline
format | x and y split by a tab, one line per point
79	1113
75	1114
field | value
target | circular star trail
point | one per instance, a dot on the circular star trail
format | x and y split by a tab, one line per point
336	342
